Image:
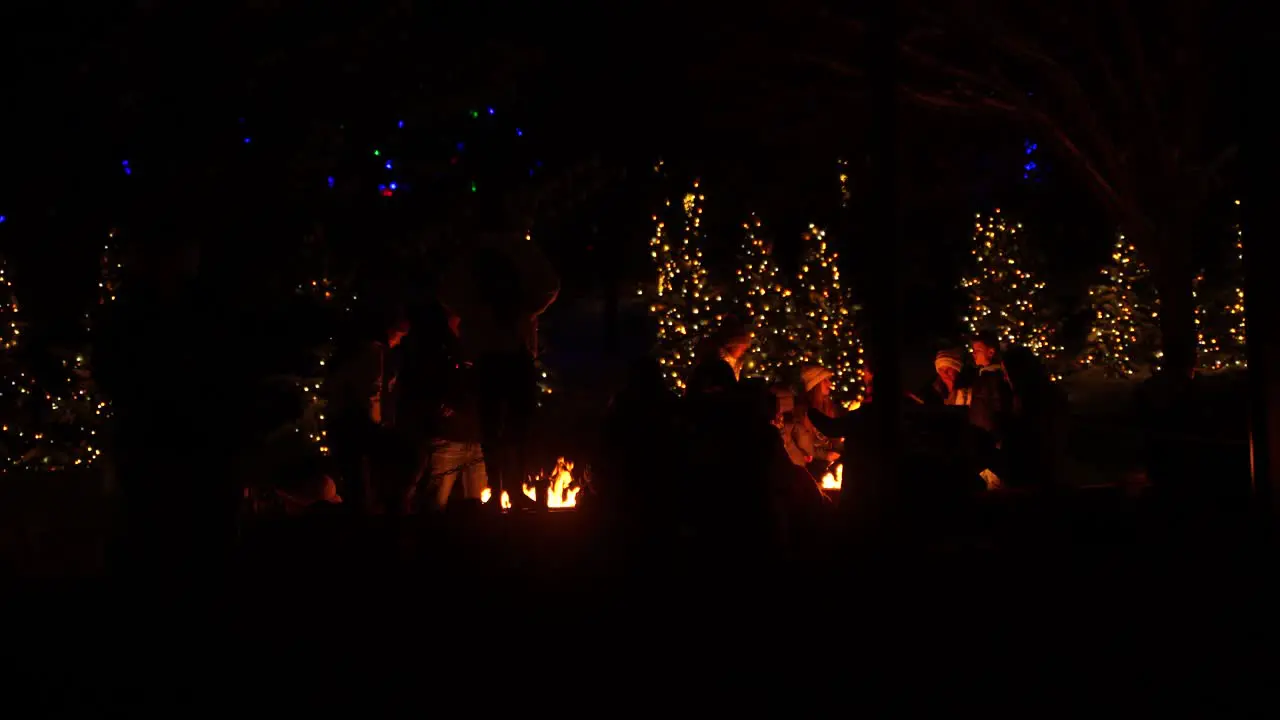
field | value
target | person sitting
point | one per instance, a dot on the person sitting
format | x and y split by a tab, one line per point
719	358
819	451
947	386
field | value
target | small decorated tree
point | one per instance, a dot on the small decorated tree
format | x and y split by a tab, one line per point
1220	317
766	304
825	333
1004	296
20	437
684	304
1124	338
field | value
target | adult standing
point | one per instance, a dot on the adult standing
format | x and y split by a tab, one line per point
498	286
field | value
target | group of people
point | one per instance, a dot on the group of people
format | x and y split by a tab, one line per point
405	428
744	451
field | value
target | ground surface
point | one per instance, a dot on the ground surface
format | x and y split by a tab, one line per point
1091	594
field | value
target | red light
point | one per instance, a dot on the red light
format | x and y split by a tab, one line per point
388	192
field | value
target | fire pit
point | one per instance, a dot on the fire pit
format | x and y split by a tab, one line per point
562	492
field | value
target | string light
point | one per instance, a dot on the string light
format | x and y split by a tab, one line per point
1002	294
683	303
825	333
766	301
1124	335
1220	323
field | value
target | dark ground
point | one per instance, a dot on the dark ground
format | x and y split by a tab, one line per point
1094	600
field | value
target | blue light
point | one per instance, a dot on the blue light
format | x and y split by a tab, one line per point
381	188
538	164
128	171
330	181
490	111
125	163
460	146
2	218
393	186
519	132
246	141
400	124
388	165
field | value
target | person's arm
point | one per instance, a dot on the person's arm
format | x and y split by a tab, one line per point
456	288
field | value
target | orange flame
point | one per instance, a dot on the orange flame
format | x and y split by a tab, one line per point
834	481
561	493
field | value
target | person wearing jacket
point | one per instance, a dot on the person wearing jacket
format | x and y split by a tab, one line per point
498	287
361	409
818	451
948	386
456	450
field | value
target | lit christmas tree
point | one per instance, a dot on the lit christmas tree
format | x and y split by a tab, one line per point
1220	318
1125	334
767	305
825	333
684	304
1003	294
79	416
20	409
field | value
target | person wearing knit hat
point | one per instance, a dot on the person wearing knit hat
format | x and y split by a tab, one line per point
819	451
946	387
813	375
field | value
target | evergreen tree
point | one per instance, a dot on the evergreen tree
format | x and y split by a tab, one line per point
768	308
20	401
1003	294
1124	338
684	304
825	333
81	413
1220	319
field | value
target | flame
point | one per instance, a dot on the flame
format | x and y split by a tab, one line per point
561	493
834	481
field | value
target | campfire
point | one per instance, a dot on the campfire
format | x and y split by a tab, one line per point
561	491
833	481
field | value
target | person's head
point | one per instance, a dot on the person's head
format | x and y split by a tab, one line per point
985	347
948	364
817	382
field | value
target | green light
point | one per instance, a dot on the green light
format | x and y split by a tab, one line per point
475	114
473	186
376	153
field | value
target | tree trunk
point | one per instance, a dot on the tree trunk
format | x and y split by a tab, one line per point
878	269
1173	273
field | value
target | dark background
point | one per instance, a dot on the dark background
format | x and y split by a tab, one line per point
598	94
